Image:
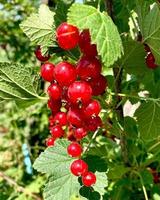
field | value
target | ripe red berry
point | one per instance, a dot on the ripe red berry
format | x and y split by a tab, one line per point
79	91
54	91
98	85
57	131
89	179
50	142
80	133
79	167
65	73
54	105
74	149
88	67
60	118
47	71
39	55
67	36
147	48
150	61
85	44
74	117
93	108
93	123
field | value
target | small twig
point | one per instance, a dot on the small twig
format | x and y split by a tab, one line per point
154	146
18	187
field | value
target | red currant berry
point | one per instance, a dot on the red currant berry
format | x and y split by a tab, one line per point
51	121
93	108
79	91
88	68
50	142
147	48
85	44
47	71
74	117
65	73
98	85
93	123
150	61
54	91
74	149
60	118
54	106
39	55
79	167
80	133
89	179
57	131
67	36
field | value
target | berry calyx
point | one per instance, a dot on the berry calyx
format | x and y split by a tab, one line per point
89	179
47	71
88	68
85	44
50	142
93	108
79	167
54	91
79	91
57	131
80	133
74	117
65	73
74	149
150	61
60	118
67	36
39	55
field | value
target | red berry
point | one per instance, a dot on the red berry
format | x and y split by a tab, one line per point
57	131
39	55
79	167
50	142
80	133
54	91
74	116
60	118
74	149
150	61
98	85
147	48
89	179
79	91
93	108
88	68
85	44
67	36
93	123
65	73
54	105
47	71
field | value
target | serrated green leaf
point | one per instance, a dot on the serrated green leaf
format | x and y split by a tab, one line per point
101	183
17	82
40	28
61	186
148	118
151	31
103	31
54	160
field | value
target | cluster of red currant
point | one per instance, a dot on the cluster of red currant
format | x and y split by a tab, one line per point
70	95
150	60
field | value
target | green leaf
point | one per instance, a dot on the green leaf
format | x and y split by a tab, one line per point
151	31
17	82
117	172
134	58
54	160
40	28
148	117
101	183
103	31
61	186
